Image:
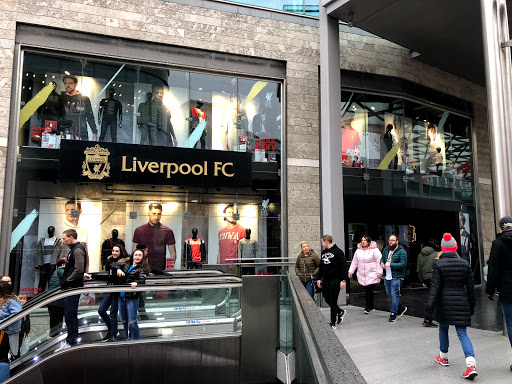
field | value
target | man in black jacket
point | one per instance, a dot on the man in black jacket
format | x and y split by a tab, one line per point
73	277
500	271
332	276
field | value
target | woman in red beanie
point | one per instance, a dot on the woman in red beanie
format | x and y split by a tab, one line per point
452	296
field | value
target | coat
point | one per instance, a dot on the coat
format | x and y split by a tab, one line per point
11	307
499	275
425	263
451	299
398	262
305	269
367	263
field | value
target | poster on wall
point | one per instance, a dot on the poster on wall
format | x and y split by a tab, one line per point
159	227
465	238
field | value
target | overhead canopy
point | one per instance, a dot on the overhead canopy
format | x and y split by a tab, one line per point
446	33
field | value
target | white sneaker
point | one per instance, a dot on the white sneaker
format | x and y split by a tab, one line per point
64	345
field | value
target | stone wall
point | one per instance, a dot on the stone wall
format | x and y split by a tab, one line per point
235	29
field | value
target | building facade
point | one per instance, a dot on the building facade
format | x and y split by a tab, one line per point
249	79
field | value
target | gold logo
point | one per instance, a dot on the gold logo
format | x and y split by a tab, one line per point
96	158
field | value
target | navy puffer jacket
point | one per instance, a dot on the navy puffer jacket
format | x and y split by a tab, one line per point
451	297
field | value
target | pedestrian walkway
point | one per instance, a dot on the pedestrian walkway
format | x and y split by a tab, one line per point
405	351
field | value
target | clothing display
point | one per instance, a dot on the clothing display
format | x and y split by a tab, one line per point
110	111
153	118
48	250
228	242
247	248
157	238
194	251
79	111
53	108
198	116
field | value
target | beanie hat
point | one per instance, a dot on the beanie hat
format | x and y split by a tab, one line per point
448	244
506	223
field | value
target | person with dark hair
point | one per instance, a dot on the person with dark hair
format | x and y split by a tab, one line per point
367	262
452	297
10	305
229	236
157	237
135	273
78	110
73	277
389	141
499	276
56	308
114	266
332	275
394	262
426	258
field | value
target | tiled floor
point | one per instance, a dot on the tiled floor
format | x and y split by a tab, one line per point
404	351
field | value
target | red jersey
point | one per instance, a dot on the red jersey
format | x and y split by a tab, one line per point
195	246
228	242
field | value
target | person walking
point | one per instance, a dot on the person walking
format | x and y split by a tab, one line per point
369	272
499	275
426	259
333	276
451	301
394	262
306	267
114	266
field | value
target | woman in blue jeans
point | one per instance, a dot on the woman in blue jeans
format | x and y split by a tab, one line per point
306	266
135	273
451	301
114	266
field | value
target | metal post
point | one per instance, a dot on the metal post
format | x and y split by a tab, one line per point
330	129
499	102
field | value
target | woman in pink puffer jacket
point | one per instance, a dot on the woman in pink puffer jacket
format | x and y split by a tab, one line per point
367	262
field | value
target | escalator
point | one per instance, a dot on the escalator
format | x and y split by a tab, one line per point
190	328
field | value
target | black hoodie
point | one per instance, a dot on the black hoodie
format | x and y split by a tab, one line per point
333	264
500	268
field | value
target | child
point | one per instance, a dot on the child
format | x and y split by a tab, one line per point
25	323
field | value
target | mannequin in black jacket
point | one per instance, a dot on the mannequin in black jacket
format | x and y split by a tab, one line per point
194	252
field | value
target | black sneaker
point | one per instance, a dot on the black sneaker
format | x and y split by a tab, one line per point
392	318
341	315
106	338
333	326
429	323
402	312
368	310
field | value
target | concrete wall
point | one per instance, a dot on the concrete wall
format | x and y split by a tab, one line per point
235	29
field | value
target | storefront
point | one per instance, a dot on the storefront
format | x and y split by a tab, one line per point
408	167
103	143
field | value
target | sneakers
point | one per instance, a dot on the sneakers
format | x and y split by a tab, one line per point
403	311
470	373
341	315
113	337
443	362
64	345
368	311
333	326
392	317
106	338
429	323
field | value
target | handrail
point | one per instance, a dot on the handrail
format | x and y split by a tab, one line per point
109	289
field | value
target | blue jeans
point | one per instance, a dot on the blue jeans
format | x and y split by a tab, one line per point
71	317
444	343
128	308
393	290
309	288
507	312
110	300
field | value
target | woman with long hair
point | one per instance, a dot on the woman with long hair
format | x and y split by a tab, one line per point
369	272
10	305
306	266
135	273
114	266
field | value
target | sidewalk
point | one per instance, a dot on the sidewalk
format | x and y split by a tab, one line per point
405	351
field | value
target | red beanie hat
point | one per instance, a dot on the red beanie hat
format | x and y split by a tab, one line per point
448	244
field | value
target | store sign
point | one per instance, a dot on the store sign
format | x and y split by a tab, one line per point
85	161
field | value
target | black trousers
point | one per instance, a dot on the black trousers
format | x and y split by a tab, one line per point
45	274
113	130
369	295
331	291
71	317
56	313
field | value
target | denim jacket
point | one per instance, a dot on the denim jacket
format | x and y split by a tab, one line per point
11	307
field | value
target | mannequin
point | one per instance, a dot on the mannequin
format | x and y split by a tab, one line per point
194	252
48	251
110	110
106	247
248	248
197	116
53	108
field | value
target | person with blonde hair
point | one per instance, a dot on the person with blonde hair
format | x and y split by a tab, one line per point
306	267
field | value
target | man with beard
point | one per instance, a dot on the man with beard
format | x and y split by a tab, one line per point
332	274
394	262
229	236
78	110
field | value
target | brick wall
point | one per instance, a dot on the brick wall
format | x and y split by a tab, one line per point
257	33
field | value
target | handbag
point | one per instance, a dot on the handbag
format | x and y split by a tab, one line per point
314	279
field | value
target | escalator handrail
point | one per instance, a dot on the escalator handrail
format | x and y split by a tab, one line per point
59	294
